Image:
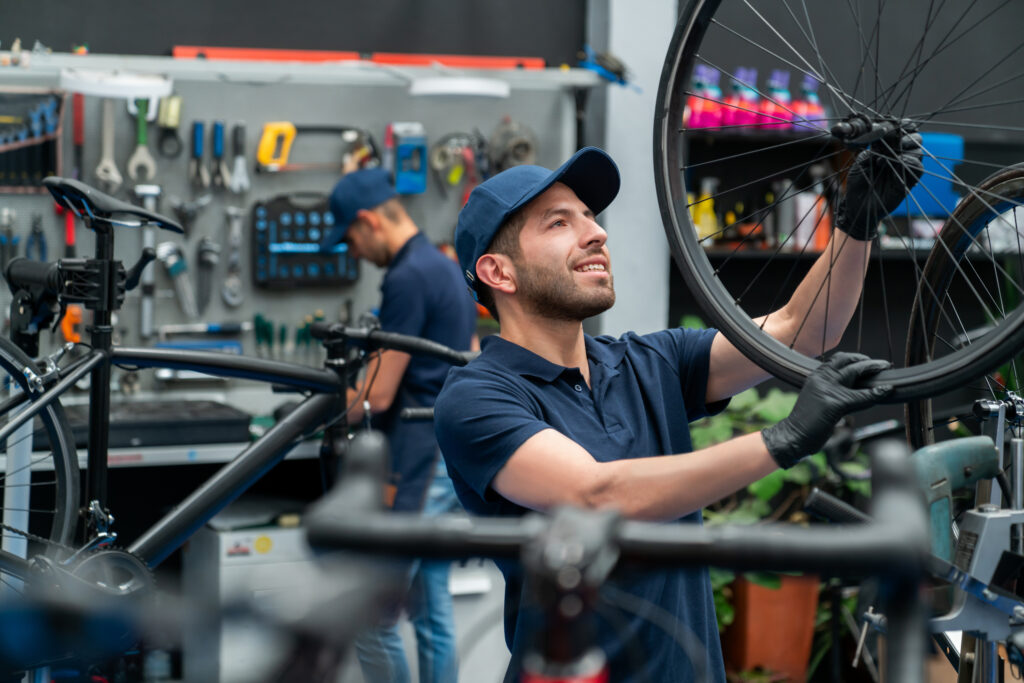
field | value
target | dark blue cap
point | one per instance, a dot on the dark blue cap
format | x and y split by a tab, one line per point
363	189
590	173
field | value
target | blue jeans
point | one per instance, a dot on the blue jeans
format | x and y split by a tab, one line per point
429	605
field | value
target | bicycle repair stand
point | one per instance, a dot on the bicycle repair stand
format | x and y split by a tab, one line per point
981	557
99	284
988	563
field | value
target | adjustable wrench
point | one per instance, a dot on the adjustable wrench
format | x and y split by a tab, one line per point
231	292
106	171
141	161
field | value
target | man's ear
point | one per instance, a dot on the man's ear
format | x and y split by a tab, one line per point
497	272
371	218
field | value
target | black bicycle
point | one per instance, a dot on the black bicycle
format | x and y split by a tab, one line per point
34	388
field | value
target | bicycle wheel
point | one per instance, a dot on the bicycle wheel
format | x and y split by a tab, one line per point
51	475
774	172
978	257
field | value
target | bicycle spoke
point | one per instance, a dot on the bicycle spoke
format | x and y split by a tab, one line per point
759	150
919	49
812	40
753	86
763	178
789	63
957	261
943	45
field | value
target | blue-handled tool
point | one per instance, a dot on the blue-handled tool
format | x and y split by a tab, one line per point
36	241
198	175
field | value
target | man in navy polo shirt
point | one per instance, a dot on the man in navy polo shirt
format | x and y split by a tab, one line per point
422	294
548	415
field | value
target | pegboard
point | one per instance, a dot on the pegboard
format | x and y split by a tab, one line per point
357	95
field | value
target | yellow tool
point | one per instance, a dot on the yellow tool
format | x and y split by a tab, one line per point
276	143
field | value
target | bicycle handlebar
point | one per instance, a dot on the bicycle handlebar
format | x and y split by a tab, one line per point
896	544
375	338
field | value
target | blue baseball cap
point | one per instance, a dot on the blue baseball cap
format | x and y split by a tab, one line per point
363	189
590	173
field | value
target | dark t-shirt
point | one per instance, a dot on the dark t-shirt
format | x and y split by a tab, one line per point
423	294
644	392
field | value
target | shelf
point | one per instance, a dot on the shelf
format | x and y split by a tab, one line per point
156	456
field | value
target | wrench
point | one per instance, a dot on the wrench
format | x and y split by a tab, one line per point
106	171
231	292
141	162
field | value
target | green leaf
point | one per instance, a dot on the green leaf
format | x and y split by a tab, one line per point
767	580
775	406
692	321
767	487
860	487
744	400
800	474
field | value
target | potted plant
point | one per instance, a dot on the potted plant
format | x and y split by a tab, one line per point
769	621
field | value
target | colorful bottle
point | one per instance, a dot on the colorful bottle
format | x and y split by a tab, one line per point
704	106
809	114
703	211
741	107
776	112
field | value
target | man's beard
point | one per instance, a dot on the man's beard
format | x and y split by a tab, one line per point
556	295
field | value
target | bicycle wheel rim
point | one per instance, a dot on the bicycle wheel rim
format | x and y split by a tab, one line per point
705	282
939	274
55	518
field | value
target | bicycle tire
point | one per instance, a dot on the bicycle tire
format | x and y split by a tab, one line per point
705	281
969	220
56	524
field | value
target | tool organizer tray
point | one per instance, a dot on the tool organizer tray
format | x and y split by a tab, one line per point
285	244
30	138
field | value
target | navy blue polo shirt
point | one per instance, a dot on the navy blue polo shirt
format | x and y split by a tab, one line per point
423	294
645	390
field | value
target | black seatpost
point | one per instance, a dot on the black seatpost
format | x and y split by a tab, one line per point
101	335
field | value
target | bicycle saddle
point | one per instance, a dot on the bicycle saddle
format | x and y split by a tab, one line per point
90	203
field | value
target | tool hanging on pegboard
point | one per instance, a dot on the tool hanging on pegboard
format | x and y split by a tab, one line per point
286	244
459	158
168	121
512	144
357	148
410	141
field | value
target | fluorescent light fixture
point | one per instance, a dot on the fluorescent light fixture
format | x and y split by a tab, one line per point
458	86
117	84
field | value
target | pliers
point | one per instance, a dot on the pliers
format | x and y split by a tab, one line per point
36	240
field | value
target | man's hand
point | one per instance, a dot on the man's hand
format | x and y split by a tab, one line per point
879	179
828	395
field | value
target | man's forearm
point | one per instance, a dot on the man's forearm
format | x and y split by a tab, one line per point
668	487
823	303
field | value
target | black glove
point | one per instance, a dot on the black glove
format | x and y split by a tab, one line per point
879	179
828	395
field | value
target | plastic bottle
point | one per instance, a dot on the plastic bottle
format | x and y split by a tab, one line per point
741	107
808	110
703	211
705	104
813	216
776	112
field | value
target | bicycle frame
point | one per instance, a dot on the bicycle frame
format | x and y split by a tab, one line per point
326	387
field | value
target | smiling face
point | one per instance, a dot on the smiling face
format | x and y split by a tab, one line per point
563	268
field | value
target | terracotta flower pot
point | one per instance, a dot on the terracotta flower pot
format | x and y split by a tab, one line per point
773	628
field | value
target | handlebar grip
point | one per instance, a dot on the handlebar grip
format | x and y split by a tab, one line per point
24	273
373	338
